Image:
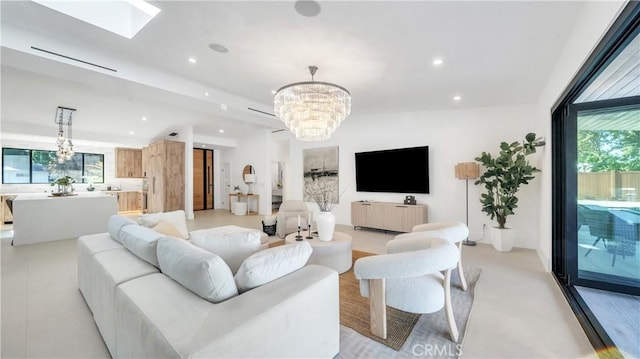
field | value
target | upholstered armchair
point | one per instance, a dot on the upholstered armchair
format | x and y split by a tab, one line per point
409	278
287	217
454	232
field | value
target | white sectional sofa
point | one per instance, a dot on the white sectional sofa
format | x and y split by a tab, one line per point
128	279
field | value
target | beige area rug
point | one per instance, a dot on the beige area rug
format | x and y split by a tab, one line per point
419	332
354	312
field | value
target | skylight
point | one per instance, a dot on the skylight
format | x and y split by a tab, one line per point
122	17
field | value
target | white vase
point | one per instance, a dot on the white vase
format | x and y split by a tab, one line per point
502	239
326	223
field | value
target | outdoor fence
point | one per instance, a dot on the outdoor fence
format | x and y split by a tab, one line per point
620	186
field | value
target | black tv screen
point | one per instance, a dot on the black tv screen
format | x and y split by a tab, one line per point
402	170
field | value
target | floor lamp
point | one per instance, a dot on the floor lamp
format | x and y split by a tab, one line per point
467	171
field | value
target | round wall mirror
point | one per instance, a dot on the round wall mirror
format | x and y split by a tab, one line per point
248	174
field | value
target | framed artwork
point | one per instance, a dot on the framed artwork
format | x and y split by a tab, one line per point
320	169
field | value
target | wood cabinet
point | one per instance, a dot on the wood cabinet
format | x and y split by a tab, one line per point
128	163
164	165
128	201
388	216
5	212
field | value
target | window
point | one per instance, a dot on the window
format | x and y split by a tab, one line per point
16	168
39	166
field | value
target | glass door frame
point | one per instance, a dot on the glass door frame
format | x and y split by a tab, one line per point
568	253
564	174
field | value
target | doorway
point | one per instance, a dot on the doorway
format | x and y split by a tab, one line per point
277	185
202	179
225	174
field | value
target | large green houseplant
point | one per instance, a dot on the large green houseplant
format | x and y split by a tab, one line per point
503	176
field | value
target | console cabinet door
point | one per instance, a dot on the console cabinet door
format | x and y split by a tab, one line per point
395	218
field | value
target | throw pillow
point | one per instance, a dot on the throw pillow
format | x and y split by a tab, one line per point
115	223
167	228
233	247
202	272
142	242
177	219
271	264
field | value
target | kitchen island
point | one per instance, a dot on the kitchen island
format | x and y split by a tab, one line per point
41	217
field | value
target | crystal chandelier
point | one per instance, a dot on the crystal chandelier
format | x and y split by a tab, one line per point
312	110
64	116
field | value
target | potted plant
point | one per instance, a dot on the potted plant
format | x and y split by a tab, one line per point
325	193
502	178
64	185
90	182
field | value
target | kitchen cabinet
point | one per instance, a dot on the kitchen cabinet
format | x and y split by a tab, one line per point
128	201
128	163
5	212
165	175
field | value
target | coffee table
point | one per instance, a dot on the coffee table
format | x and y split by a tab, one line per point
335	253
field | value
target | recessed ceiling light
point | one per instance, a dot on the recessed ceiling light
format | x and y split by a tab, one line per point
218	48
221	131
206	94
144	118
437	62
273	92
131	132
308	8
223	107
192	60
457	98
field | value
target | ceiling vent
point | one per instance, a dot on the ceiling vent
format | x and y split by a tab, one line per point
173	134
266	113
73	59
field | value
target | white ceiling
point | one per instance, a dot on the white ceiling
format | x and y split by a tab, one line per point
495	53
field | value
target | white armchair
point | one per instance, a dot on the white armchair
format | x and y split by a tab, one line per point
409	278
287	217
454	232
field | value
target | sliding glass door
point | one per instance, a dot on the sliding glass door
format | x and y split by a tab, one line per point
596	185
608	193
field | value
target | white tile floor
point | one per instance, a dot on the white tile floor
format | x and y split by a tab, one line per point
519	311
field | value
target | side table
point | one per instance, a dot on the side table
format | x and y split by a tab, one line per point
335	253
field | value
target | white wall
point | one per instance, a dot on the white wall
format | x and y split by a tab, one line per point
252	150
452	137
593	23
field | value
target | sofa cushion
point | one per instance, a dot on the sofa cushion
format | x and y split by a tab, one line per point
116	222
271	264
177	219
142	242
165	227
232	246
198	270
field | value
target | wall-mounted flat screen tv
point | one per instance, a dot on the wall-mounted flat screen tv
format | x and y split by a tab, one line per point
402	170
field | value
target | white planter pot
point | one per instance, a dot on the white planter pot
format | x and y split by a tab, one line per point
326	223
502	239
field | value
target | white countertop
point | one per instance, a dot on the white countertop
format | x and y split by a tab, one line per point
39	196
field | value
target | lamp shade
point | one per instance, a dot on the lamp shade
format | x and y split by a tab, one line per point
249	177
467	170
